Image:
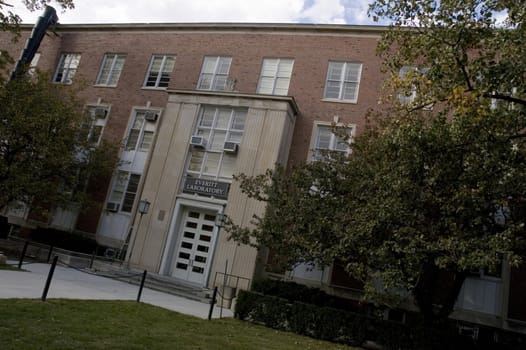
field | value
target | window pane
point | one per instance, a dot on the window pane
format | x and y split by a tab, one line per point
238	122
235	137
285	68
324	138
218	140
211	163
205	82
131	191
227	165
219	83
224	65
223	118
270	66
352	72
196	160
207	117
332	90
335	71
146	142
266	86
349	91
133	137
209	64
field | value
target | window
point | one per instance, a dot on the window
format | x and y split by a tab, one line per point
327	140
214	74
216	126
275	76
159	72
409	76
140	136
93	128
343	81
67	67
34	63
111	69
124	190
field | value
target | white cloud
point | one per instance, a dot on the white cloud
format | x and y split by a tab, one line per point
171	11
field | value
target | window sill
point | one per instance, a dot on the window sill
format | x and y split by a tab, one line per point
104	86
154	88
339	101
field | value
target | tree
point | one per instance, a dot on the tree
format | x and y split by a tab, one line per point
436	187
46	154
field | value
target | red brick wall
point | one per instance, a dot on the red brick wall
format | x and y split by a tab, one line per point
311	50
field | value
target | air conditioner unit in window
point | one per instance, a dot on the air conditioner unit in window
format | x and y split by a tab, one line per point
151	116
112	206
231	147
100	112
198	141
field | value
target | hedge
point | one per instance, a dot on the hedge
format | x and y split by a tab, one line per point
310	295
342	326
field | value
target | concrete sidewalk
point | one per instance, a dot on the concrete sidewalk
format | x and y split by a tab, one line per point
69	283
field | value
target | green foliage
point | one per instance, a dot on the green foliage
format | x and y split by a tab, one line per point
436	185
298	292
343	326
65	240
45	157
318	322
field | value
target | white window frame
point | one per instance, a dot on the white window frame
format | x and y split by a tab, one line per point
275	76
408	98
341	82
97	122
144	129
233	132
113	64
34	63
315	151
67	68
164	73
214	79
121	191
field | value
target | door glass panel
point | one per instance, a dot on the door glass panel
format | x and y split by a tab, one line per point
191	224
205	238
197	269
181	266
193	214
208	228
202	248
183	255
187	245
201	259
209	217
190	235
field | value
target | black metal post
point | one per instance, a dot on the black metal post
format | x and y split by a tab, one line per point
92	258
212	303
142	285
49	277
49	253
22	256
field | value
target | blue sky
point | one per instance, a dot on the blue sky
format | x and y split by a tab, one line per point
168	11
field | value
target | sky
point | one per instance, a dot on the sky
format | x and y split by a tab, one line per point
185	11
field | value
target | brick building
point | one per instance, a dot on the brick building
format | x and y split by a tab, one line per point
192	104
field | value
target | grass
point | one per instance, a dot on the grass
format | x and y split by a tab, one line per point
75	324
10	267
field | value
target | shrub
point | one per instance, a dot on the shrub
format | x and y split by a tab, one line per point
65	240
298	292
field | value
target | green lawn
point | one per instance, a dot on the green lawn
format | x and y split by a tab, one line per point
84	325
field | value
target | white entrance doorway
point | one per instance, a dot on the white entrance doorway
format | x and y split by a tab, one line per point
194	247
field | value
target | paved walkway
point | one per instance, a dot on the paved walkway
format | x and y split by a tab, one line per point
69	283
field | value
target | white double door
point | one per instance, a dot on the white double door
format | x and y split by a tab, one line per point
195	246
